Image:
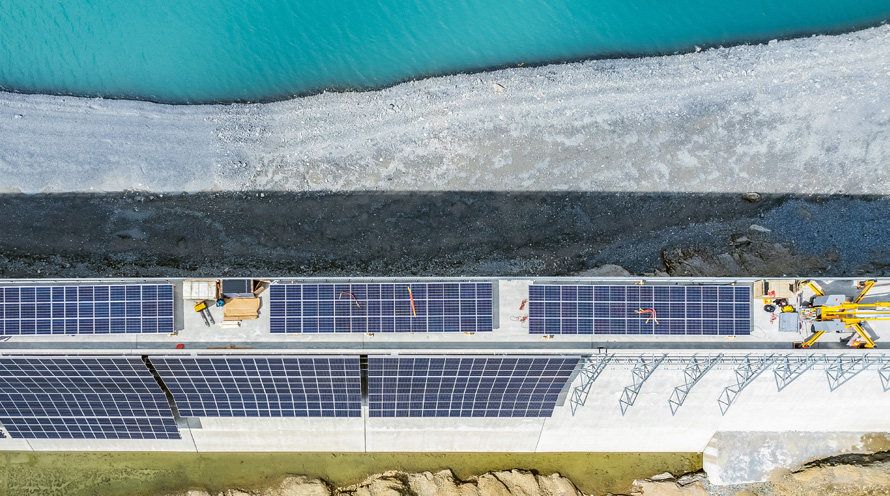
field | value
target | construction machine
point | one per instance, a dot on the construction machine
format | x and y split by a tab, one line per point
827	313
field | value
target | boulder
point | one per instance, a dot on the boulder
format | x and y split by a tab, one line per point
299	486
443	483
608	270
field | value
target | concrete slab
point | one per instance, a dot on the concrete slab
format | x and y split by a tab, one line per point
184	444
453	434
279	434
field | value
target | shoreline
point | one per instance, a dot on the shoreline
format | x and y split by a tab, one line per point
806	114
607	56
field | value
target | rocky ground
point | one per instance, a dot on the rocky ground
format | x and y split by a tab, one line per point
442	234
849	475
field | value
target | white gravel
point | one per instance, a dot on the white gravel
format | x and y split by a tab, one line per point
805	116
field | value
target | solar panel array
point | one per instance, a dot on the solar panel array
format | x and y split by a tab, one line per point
263	387
466	386
679	310
83	398
132	308
372	308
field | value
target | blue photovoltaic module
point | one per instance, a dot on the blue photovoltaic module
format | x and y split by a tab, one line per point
667	310
263	386
387	307
466	386
83	398
131	308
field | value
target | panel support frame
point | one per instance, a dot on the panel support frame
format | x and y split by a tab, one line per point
591	369
642	370
745	373
695	369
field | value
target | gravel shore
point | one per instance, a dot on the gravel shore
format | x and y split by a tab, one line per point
807	116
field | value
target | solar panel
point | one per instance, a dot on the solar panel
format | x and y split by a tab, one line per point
83	398
667	310
372	308
131	308
466	386
263	387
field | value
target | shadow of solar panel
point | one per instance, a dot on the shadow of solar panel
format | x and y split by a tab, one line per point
263	386
652	310
387	307
466	386
82	398
46	310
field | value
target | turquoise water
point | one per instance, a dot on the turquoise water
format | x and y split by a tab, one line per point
195	51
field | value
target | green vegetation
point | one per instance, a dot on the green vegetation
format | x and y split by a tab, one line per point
138	474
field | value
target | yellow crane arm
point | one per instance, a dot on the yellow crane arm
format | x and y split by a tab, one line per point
869	343
866	287
812	339
815	287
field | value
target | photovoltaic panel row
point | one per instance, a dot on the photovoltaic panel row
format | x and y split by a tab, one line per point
263	387
132	308
667	310
466	386
388	307
82	398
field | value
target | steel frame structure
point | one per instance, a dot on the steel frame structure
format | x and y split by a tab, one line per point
745	373
695	369
842	368
643	368
591	369
786	367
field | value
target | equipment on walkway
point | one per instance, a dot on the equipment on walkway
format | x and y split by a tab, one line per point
201	307
829	313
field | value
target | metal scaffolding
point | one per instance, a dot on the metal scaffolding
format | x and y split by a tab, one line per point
842	368
745	372
643	368
884	372
790	367
786	367
696	368
592	368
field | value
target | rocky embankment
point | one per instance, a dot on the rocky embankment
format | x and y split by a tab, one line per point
395	483
824	478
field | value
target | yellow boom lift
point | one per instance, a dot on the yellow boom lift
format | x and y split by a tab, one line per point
835	313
